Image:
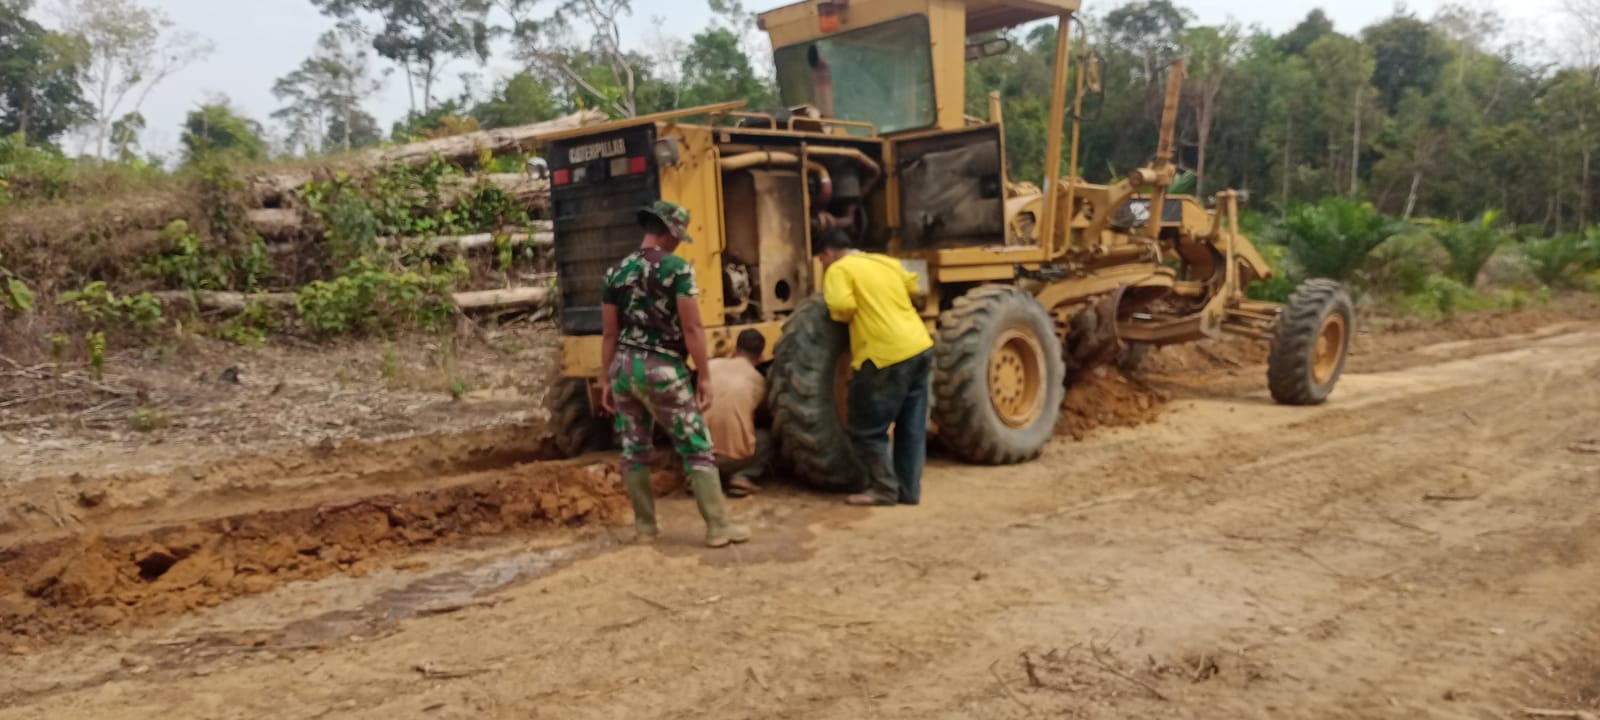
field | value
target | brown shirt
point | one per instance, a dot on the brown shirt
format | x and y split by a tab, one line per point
737	389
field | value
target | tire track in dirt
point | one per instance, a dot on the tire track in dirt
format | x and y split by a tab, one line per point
1113	543
1323	483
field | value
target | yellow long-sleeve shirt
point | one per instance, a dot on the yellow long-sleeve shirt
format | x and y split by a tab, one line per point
872	292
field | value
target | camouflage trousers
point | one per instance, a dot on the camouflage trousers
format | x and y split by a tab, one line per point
650	388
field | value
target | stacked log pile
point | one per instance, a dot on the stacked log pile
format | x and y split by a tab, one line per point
281	218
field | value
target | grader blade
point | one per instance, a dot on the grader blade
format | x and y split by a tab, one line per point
1092	338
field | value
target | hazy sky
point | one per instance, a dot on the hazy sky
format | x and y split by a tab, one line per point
257	42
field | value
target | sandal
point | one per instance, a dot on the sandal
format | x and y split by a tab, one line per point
740	487
864	499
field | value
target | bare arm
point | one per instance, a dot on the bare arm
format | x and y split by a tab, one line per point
839	294
694	336
609	325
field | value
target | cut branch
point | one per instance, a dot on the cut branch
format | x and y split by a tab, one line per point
271	189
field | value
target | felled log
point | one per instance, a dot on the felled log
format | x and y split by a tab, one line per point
273	223
227	302
271	189
508	299
541	237
471	300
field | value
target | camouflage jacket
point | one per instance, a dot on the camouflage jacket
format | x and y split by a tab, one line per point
645	287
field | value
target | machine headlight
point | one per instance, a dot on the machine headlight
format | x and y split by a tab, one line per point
667	152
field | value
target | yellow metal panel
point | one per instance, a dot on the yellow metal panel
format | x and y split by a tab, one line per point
695	183
580	354
798	22
976	273
947	24
997	254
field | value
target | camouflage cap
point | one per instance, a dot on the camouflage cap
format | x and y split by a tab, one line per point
675	218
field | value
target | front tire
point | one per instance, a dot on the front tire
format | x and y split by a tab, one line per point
574	426
1311	343
804	392
999	378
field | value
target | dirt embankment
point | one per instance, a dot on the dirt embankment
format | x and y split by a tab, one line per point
90	581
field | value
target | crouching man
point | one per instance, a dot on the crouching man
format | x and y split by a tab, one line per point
743	452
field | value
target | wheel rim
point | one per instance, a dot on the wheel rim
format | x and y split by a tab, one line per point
1016	378
1329	349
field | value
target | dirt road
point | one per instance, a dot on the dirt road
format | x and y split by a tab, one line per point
1426	545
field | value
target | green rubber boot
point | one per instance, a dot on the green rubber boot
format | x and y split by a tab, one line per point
643	496
707	486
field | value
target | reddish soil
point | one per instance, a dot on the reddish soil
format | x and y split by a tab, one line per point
90	581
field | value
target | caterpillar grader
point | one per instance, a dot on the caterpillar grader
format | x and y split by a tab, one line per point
1024	286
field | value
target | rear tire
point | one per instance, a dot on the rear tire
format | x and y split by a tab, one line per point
574	426
807	424
999	377
1311	343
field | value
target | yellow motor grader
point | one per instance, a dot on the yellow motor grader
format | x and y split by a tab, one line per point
1024	288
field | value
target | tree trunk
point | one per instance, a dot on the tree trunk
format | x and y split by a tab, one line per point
1355	148
411	85
1411	198
1583	201
1203	139
1288	132
349	117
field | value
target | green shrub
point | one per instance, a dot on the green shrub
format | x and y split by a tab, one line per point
15	294
1440	297
1557	260
1333	238
1401	266
182	263
1278	287
31	173
370	300
250	327
1471	244
102	309
185	263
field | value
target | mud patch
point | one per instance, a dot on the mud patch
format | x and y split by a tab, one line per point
1212	356
1107	398
91	581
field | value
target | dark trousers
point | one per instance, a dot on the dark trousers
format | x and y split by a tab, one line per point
898	395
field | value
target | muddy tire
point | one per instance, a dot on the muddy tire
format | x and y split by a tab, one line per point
1311	343
575	428
998	378
801	390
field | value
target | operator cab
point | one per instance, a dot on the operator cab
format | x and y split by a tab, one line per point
884	62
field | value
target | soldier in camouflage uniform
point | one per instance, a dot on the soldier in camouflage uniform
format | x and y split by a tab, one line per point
652	324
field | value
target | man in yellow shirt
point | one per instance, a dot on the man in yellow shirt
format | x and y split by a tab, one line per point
891	353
